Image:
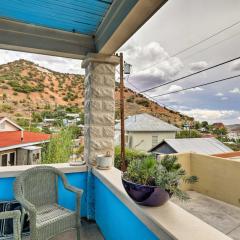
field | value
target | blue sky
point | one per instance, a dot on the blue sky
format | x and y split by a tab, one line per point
178	25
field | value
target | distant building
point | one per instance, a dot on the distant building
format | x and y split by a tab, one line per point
19	147
143	131
208	146
234	134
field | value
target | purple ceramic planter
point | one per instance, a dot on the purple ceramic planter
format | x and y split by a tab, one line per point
146	195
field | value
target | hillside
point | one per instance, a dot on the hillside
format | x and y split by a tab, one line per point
25	87
233	127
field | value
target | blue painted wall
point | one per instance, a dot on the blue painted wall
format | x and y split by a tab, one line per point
66	198
115	220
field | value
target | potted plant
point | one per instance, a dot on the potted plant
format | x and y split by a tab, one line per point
151	182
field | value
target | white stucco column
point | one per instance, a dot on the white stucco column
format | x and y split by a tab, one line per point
99	105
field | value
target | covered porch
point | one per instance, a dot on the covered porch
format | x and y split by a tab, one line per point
93	31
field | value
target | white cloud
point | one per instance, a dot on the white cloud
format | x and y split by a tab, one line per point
58	64
151	60
235	66
197	89
197	66
219	94
174	88
235	90
227	116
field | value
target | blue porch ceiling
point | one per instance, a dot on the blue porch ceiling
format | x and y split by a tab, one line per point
81	16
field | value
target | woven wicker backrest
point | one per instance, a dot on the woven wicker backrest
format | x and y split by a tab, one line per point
38	185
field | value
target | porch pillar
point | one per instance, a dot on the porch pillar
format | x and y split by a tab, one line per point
99	105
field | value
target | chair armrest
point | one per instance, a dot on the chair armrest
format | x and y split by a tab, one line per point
74	189
27	205
15	215
78	193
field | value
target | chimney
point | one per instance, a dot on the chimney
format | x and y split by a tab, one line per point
22	136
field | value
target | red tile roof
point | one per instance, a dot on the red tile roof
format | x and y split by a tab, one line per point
228	155
10	138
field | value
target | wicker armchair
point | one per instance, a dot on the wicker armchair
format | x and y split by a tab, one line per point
37	191
15	215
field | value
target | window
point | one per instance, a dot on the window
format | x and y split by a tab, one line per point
8	159
4	160
154	141
12	159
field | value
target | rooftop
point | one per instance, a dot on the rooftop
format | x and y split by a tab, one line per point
208	146
222	216
13	138
235	154
146	123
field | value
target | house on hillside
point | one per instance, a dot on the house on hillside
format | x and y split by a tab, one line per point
7	125
143	131
19	147
234	134
208	146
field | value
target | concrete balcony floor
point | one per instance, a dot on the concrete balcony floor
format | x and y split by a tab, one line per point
220	215
90	231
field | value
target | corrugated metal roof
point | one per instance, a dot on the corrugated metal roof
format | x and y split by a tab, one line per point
82	16
11	138
207	146
146	123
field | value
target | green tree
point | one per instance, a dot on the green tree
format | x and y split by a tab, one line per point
205	124
59	149
197	125
220	131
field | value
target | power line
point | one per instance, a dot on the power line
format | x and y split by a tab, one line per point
150	97
213	45
196	86
195	44
189	75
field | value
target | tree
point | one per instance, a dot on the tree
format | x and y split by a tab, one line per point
59	149
197	125
205	124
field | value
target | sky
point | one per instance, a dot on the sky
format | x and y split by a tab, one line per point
153	53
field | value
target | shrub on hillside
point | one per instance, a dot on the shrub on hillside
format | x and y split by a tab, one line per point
143	102
130	99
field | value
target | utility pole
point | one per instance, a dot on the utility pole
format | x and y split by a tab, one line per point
30	120
123	162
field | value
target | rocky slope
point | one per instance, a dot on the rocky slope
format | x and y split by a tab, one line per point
25	87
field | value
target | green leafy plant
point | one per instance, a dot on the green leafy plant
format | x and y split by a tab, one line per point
130	155
59	149
165	173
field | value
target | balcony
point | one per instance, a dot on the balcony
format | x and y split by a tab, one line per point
118	217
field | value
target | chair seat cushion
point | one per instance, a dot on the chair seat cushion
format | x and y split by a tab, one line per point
49	214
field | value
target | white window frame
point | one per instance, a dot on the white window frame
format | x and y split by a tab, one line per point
8	158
